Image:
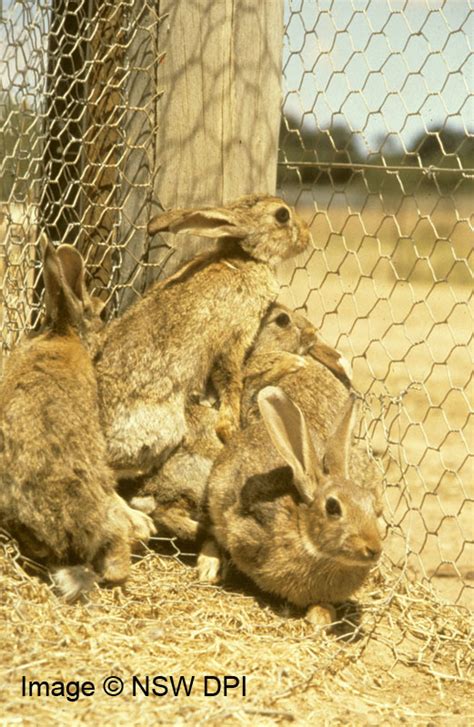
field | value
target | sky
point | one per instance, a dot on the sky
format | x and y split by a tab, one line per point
389	68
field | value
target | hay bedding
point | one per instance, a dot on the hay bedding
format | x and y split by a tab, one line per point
408	661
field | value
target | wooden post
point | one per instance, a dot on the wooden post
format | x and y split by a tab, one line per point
102	141
65	98
85	69
218	120
211	136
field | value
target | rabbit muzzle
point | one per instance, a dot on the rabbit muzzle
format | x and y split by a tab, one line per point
308	339
301	238
361	552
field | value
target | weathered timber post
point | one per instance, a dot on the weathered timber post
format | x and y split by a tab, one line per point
65	99
218	120
81	156
177	103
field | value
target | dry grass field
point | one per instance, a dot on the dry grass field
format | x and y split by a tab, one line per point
402	653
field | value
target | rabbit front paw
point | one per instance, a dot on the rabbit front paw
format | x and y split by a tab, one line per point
298	362
287	363
209	563
226	426
321	615
145	504
141	525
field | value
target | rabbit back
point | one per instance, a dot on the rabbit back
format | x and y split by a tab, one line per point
53	452
163	347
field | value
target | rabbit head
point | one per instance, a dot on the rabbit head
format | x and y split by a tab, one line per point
338	517
264	227
284	330
67	301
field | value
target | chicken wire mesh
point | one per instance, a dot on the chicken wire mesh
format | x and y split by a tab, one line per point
375	152
376	145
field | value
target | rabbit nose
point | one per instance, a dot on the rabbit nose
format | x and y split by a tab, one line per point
372	552
308	334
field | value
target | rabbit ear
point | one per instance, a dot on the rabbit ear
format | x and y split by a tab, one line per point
336	458
73	269
289	433
63	274
334	361
212	222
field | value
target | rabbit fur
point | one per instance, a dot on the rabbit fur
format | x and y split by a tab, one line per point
205	316
284	339
283	506
174	496
314	382
57	493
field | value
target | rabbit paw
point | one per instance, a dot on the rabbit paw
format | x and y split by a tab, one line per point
287	363
209	563
144	504
298	362
321	615
225	428
141	525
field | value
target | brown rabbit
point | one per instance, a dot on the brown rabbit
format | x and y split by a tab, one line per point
205	316
174	496
284	337
283	506
57	493
314	382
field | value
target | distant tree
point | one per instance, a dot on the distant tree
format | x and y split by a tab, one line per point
439	145
19	132
313	151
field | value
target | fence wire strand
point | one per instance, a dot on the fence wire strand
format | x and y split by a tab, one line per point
376	153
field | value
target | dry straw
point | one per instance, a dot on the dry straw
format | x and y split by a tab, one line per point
399	654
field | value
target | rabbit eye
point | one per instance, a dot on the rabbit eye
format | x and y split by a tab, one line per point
282	214
333	507
283	320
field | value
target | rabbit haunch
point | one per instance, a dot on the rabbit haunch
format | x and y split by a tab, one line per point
205	316
57	493
293	521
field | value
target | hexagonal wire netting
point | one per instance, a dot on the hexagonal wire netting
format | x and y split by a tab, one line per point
375	151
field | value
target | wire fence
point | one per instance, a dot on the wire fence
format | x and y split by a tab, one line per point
376	146
375	152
